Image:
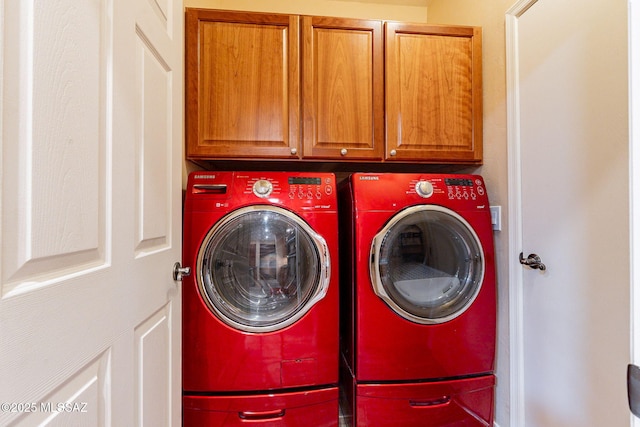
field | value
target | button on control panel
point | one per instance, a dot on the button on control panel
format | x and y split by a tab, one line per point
464	189
424	188
262	188
309	188
453	188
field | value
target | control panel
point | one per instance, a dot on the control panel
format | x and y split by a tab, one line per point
309	187
292	187
297	191
392	191
464	188
452	188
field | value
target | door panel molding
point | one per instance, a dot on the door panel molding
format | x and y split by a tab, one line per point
516	281
153	148
84	396
153	342
55	215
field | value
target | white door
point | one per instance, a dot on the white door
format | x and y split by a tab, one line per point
569	177
634	92
91	125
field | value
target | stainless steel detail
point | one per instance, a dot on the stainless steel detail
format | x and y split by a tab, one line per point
214	291
424	189
533	261
464	300
262	188
211	187
179	272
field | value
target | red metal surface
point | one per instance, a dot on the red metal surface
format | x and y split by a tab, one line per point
378	344
317	408
219	358
460	403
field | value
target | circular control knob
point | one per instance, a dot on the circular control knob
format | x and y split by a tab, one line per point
262	188
424	189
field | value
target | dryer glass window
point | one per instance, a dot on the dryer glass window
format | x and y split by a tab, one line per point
259	269
429	264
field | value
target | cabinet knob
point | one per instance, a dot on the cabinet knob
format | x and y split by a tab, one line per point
294	151
393	153
343	152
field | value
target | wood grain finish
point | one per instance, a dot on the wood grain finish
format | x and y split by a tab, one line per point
433	93
243	87
286	87
342	88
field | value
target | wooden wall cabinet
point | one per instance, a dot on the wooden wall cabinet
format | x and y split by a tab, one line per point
343	89
242	85
278	87
433	93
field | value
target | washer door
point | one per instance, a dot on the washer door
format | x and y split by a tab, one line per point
427	264
261	268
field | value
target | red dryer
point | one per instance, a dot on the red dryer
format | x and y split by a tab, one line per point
418	301
260	308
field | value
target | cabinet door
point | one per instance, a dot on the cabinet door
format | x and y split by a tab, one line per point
433	93
343	104
242	88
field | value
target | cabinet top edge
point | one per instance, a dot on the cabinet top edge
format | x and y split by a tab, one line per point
205	13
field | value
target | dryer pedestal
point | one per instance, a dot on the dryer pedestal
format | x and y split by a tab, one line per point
289	409
453	402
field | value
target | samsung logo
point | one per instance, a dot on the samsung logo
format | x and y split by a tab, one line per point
369	178
205	177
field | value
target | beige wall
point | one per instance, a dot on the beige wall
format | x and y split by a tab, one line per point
401	11
490	15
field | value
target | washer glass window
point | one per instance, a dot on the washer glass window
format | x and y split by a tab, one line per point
427	264
260	269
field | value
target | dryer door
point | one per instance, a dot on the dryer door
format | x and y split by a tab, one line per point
427	264
261	268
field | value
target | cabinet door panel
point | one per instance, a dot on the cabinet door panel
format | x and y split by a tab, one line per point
242	85
342	88
433	93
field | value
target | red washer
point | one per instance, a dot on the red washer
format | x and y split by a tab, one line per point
419	297
260	308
